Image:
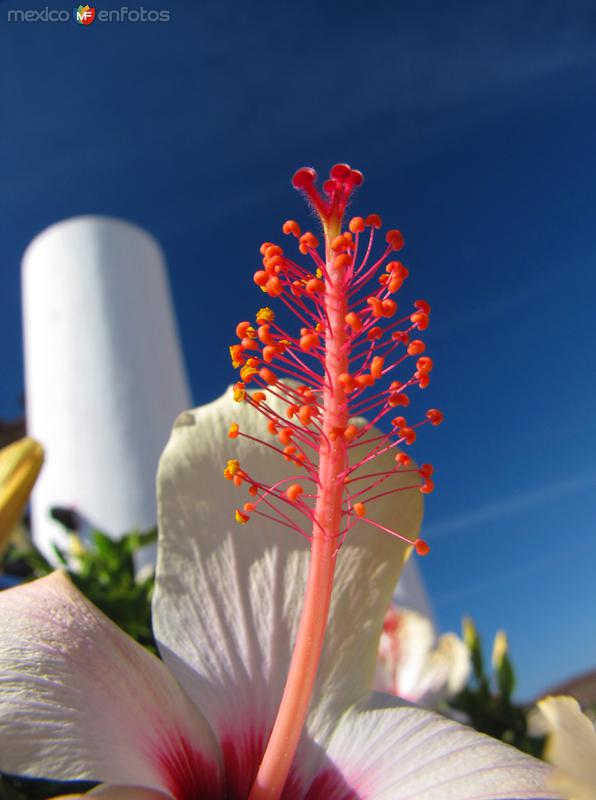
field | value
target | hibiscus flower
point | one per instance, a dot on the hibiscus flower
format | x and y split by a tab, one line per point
268	637
80	700
414	667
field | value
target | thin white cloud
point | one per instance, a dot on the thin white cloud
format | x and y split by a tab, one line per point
511	505
519	572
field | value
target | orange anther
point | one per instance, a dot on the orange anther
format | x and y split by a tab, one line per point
423	380
272	426
335	432
268	376
291	227
253	490
274	286
245	330
305	414
274	264
264	316
347	381
264	334
233	431
249	507
427	487
394	239
403	460
236	354
264	246
426	470
339	243
297	288
241	517
421	547
239	392
269	353
261	277
273	250
308	242
408	435
259	397
364	380
394	284
232	468
383	279
435	416
354	321
294	491
289	452
416	347
314	285
389	307
375	333
359	509
424	365
247	372
420	319
351	432
249	344
291	411
341	261
398	399
356	224
401	336
373	220
399	422
376	367
397	269
376	306
285	435
309	341
423	306
238	480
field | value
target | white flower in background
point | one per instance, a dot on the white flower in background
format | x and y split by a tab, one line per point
415	667
81	700
570	747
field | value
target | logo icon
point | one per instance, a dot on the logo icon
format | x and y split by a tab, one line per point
84	15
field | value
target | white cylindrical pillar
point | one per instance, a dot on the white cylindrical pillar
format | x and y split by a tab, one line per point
104	373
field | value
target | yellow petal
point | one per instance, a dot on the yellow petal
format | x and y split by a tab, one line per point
571	747
20	464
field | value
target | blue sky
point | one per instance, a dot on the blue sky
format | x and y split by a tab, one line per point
475	127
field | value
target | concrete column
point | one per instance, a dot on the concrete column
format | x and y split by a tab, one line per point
104	373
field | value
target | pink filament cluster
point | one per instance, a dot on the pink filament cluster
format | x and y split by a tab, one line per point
386	360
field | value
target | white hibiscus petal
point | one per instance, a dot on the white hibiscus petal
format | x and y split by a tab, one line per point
571	747
79	699
228	597
407	753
